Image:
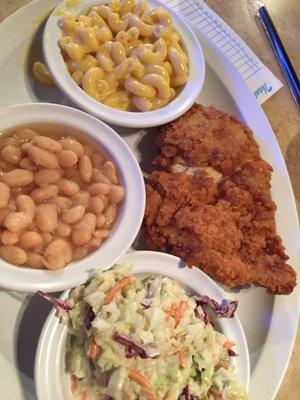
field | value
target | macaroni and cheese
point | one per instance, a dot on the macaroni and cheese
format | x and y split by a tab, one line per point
125	55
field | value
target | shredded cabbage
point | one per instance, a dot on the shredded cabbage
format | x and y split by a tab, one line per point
122	326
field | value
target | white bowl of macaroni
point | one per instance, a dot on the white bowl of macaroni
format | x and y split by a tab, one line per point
131	63
72	197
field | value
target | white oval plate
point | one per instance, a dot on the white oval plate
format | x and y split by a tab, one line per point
50	351
182	102
129	218
270	322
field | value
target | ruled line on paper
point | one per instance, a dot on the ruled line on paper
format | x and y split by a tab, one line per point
258	77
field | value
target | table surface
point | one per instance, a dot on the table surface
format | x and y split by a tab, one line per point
280	108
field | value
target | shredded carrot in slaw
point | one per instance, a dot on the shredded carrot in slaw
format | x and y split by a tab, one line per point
115	290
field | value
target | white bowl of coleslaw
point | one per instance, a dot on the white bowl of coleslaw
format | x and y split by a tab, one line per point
170	279
184	99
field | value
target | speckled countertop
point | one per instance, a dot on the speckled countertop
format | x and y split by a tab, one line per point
280	108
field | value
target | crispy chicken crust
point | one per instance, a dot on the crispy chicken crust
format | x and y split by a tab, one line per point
226	227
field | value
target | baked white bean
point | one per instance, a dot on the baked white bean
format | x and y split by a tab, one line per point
116	194
96	189
30	239
67	158
67	187
96	205
46	217
17	178
35	260
47	176
47	143
59	197
82	198
85	168
9	238
42	157
100	220
110	172
4	194
99	177
73	145
13	254
57	254
26	163
82	231
80	252
62	203
73	214
11	154
110	214
44	193
63	230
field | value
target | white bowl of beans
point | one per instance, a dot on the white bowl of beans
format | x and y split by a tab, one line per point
131	63
72	197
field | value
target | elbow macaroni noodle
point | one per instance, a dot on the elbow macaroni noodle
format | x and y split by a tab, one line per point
125	55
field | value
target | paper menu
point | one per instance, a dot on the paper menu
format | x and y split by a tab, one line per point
260	80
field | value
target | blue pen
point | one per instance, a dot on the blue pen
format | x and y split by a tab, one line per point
282	57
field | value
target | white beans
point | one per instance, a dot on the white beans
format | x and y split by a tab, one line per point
110	214
58	253
30	239
80	252
11	154
63	230
46	217
35	260
17	178
101	233
99	177
67	158
73	145
47	176
9	238
73	214
97	160
42	157
13	254
47	143
82	198
83	230
110	172
96	189
4	194
17	221
67	187
116	194
62	203
96	205
26	163
25	134
58	198
85	168
100	220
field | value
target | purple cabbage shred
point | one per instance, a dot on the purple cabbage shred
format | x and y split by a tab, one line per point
59	304
211	308
90	316
134	349
187	395
232	353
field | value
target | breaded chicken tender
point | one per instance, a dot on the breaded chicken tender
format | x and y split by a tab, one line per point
223	225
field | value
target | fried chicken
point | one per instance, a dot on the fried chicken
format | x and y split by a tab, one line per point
205	136
225	226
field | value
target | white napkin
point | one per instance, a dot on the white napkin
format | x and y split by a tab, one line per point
260	80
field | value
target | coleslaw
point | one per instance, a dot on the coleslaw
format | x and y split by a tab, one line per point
146	338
